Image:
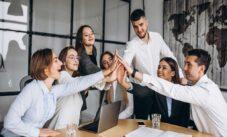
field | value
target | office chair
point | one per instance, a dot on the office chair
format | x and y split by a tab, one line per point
24	81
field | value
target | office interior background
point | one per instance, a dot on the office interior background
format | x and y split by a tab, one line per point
28	25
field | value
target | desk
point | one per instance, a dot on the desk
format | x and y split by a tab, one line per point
128	125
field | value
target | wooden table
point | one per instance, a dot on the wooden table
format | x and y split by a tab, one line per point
128	125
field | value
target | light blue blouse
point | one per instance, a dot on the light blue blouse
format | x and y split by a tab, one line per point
36	104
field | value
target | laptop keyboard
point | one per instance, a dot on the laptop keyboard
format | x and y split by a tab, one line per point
92	126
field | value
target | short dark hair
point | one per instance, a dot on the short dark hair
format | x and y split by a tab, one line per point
40	60
105	53
137	14
203	57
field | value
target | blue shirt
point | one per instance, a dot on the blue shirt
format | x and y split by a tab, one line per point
36	104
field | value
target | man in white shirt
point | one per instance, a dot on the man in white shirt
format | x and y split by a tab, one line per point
209	109
143	53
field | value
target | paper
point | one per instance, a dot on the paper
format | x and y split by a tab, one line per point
150	132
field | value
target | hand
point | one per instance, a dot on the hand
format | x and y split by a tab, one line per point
184	81
113	76
121	75
125	64
44	132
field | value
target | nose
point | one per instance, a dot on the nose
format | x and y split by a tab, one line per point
60	63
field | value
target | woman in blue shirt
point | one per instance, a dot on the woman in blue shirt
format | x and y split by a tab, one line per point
37	101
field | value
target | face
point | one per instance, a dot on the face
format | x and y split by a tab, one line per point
192	70
72	61
88	37
164	71
53	70
140	27
107	61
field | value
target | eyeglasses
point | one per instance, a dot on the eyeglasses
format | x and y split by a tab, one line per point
76	58
107	62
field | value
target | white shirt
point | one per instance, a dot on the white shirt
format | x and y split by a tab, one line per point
68	108
209	109
36	104
144	56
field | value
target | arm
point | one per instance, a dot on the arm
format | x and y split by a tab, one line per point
13	120
190	94
166	52
129	53
77	84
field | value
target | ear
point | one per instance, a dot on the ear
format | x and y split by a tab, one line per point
173	73
202	69
46	71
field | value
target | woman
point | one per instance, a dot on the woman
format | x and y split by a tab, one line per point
37	101
172	111
85	40
115	92
68	108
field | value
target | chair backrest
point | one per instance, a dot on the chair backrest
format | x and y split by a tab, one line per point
24	81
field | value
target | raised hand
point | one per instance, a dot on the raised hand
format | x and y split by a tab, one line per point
121	75
45	132
125	64
113	76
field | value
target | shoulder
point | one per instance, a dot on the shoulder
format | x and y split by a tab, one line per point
155	34
65	76
30	89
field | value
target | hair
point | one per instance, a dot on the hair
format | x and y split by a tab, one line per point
137	14
63	54
79	38
174	67
102	55
203	57
40	60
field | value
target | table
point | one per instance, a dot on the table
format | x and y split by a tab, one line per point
127	125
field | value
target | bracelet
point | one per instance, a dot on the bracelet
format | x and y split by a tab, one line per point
133	73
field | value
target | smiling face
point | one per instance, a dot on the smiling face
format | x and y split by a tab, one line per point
53	71
72	61
88	37
164	71
107	61
140	27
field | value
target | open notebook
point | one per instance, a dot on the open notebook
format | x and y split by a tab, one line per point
150	132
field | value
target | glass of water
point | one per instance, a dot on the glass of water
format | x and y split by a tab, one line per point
71	130
156	118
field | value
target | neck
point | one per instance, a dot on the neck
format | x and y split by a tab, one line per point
69	71
48	82
146	38
89	49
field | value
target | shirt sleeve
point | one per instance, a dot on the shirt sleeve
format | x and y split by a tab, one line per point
13	120
166	52
190	94
129	53
77	84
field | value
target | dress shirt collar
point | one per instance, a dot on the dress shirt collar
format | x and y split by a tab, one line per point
203	79
43	87
141	41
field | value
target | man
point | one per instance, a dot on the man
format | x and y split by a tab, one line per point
143	53
209	108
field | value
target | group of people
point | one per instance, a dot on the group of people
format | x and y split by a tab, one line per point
145	82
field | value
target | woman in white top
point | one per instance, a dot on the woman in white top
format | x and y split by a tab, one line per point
115	92
37	101
68	108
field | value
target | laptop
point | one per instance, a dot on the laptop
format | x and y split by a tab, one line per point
107	118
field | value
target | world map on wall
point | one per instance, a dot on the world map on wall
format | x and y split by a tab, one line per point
217	34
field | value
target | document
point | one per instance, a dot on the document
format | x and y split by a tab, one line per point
151	132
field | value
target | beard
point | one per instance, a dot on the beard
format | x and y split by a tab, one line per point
143	36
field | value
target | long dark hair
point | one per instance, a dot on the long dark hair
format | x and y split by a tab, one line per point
174	67
79	38
104	53
62	58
